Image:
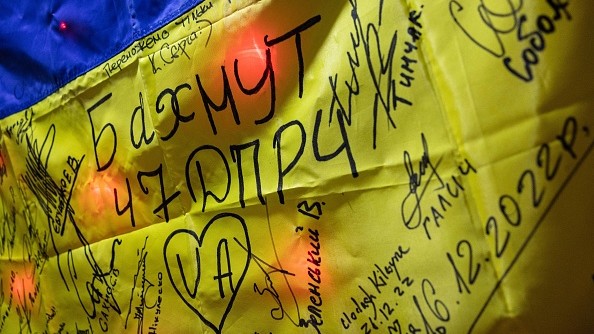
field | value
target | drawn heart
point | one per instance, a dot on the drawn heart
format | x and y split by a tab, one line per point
206	271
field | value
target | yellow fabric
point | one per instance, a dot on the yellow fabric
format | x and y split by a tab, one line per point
303	167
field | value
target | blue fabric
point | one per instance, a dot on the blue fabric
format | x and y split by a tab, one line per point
38	56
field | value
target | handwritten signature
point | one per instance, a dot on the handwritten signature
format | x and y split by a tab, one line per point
498	22
100	289
380	65
168	53
145	288
269	271
412	217
93	285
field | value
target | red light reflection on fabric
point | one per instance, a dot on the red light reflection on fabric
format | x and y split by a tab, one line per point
98	194
304	260
22	286
249	51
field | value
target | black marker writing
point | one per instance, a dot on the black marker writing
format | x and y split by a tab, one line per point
498	23
231	269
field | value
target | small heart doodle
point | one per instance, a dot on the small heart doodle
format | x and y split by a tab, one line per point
206	271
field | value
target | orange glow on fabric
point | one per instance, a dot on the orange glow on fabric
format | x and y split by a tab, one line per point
99	194
22	286
23	289
304	260
252	60
250	67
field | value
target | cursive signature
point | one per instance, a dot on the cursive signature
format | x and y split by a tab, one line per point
269	271
506	19
412	217
141	289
